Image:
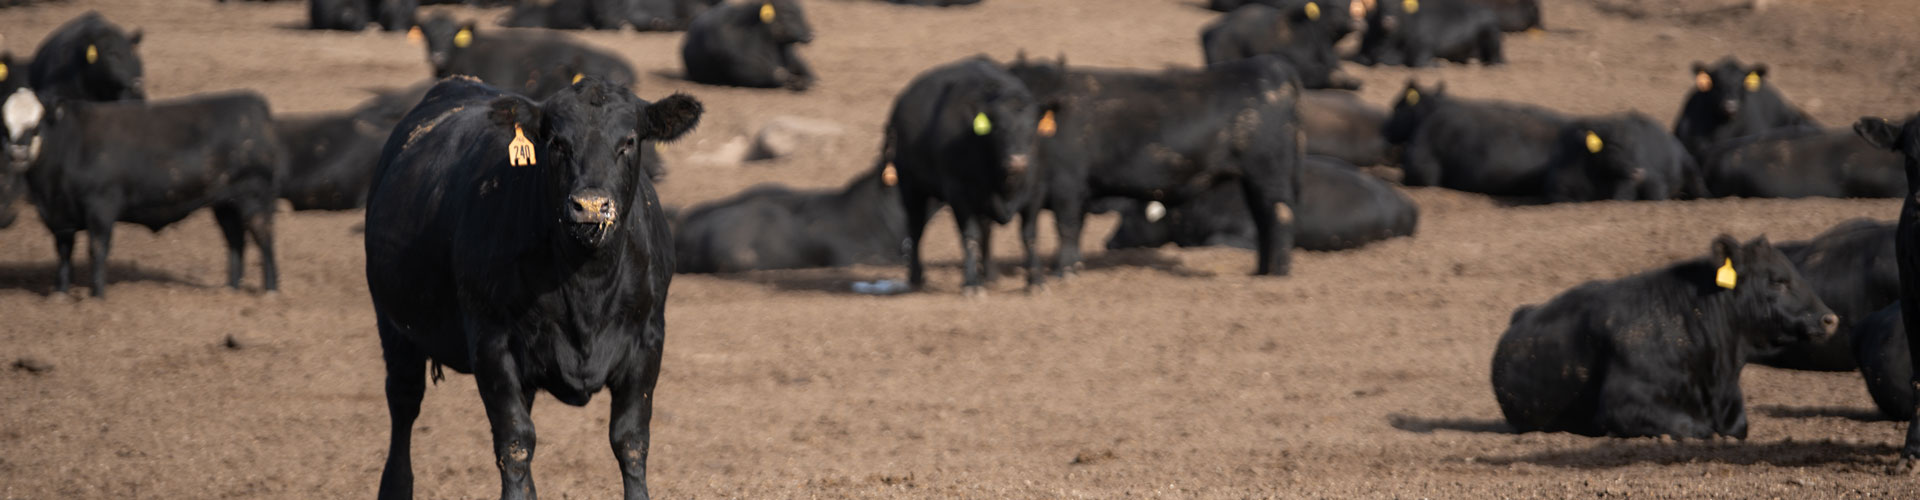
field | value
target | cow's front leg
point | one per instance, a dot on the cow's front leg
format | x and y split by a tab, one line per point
632	417
1029	239
509	403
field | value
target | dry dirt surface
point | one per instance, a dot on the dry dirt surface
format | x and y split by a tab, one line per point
1163	373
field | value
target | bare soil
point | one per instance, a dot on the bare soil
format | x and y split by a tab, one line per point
1159	373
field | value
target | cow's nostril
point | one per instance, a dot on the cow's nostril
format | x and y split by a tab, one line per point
1830	322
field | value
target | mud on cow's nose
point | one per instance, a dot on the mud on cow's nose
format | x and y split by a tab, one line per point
592	206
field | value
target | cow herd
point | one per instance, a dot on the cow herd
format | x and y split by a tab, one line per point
513	231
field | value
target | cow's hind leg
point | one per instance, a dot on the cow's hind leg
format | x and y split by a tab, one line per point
63	249
632	417
1069	217
406	386
234	227
99	243
917	207
260	226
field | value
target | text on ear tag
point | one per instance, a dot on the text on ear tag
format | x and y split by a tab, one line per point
1047	127
981	125
463	38
578	76
1702	81
414	35
1313	11
520	151
1726	277
1593	143
1753	81
766	13
888	176
1413	97
1411	6
93	54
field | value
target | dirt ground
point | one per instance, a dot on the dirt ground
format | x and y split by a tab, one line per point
1160	373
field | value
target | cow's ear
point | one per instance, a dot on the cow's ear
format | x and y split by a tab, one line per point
1725	249
1878	132
134	38
1699	67
668	119
509	111
1758	69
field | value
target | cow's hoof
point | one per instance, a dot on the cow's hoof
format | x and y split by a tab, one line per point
1904	466
974	292
1038	289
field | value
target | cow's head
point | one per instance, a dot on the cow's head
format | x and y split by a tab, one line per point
1595	153
1726	84
1768	294
784	20
444	38
23	114
1003	118
112	67
1415	103
587	140
1900	137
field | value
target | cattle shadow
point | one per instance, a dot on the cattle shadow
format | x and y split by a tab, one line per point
1139	257
38	278
1424	425
1609	453
1804	412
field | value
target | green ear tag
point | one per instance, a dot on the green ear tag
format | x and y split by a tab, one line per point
981	125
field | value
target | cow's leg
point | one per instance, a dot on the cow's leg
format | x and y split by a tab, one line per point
1629	407
260	225
99	243
1029	237
1418	165
509	404
1491	52
406	386
234	227
1069	216
970	248
987	272
1272	189
798	75
63	249
917	207
632	416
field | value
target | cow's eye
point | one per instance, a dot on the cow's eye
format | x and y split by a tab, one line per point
627	147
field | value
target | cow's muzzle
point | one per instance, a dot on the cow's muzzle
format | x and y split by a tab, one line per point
592	208
1016	164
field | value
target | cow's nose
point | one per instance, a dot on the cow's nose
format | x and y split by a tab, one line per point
1017	163
1730	107
592	208
1830	323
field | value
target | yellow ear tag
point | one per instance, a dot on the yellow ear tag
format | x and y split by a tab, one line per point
981	125
1702	81
3	72
1593	143
578	76
1753	81
93	54
766	13
1413	97
463	38
1726	277
888	176
1047	126
520	151
415	36
1313	11
1411	6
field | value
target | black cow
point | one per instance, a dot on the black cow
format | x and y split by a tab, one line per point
22	113
1340	208
519	241
570	14
1905	139
666	15
1886	363
354	15
1337	17
1794	163
1482	146
1657	353
1292	35
90	59
1341	125
1731	100
773	227
154	164
750	44
1167	137
1621	157
1415	32
961	135
1514	15
330	157
1853	269
531	64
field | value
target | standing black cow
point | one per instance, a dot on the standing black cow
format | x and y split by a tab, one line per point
961	135
1731	100
751	44
1852	267
1657	353
520	242
153	164
1167	137
1340	208
1796	163
1415	32
531	64
1491	147
773	227
1292	35
354	15
89	59
1621	157
1341	125
1905	139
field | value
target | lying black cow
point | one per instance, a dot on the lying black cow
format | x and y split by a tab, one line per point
517	241
1731	100
531	64
1658	353
773	227
749	44
154	164
1621	157
1337	17
1167	137
1340	208
961	135
1292	35
1795	163
666	15
1514	15
89	59
1491	147
1880	345
1904	138
330	157
1341	125
1852	267
1415	32
354	15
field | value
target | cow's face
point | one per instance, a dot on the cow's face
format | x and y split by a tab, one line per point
444	37
112	67
784	20
588	142
1899	137
1726	84
1006	119
23	115
1414	105
1767	289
